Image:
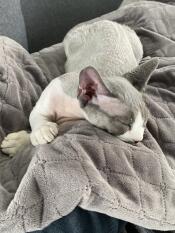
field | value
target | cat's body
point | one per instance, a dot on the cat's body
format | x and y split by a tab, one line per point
59	100
105	95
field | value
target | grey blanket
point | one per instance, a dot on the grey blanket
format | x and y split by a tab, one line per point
85	166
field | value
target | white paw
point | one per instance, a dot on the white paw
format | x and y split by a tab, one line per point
46	133
13	142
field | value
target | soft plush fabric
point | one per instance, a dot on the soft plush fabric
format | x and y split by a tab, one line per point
85	166
12	22
88	45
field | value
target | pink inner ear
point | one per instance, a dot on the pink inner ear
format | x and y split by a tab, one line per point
90	84
86	94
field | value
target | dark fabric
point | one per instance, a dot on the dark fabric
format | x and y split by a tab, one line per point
48	21
131	228
82	221
12	22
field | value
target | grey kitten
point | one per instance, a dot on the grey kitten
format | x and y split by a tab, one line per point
103	85
114	104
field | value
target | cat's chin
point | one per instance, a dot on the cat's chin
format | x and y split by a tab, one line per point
132	142
125	137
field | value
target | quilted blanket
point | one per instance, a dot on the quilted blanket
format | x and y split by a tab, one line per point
85	166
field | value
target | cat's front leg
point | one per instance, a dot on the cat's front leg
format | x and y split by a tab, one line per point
44	134
15	142
43	115
44	130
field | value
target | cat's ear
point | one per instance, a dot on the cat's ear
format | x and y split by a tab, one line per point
90	85
140	76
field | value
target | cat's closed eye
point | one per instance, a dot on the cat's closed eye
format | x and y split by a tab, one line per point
127	119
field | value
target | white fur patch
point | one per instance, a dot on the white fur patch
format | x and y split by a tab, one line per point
136	132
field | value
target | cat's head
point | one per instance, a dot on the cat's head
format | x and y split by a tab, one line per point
116	104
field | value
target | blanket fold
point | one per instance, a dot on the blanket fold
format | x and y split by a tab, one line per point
85	166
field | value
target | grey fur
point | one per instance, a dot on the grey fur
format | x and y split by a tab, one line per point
123	89
115	51
140	76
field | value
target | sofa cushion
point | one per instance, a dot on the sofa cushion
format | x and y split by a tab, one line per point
47	21
12	22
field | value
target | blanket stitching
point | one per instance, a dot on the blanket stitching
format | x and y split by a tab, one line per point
45	75
160	33
20	90
89	185
7	72
103	169
106	164
122	206
44	175
19	205
46	183
97	134
150	140
42	165
75	190
156	117
139	184
163	181
8	81
151	9
23	220
166	89
124	148
89	180
72	143
5	59
119	146
107	169
115	144
57	160
11	105
140	198
165	102
130	176
113	208
109	201
131	210
170	113
23	66
14	174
